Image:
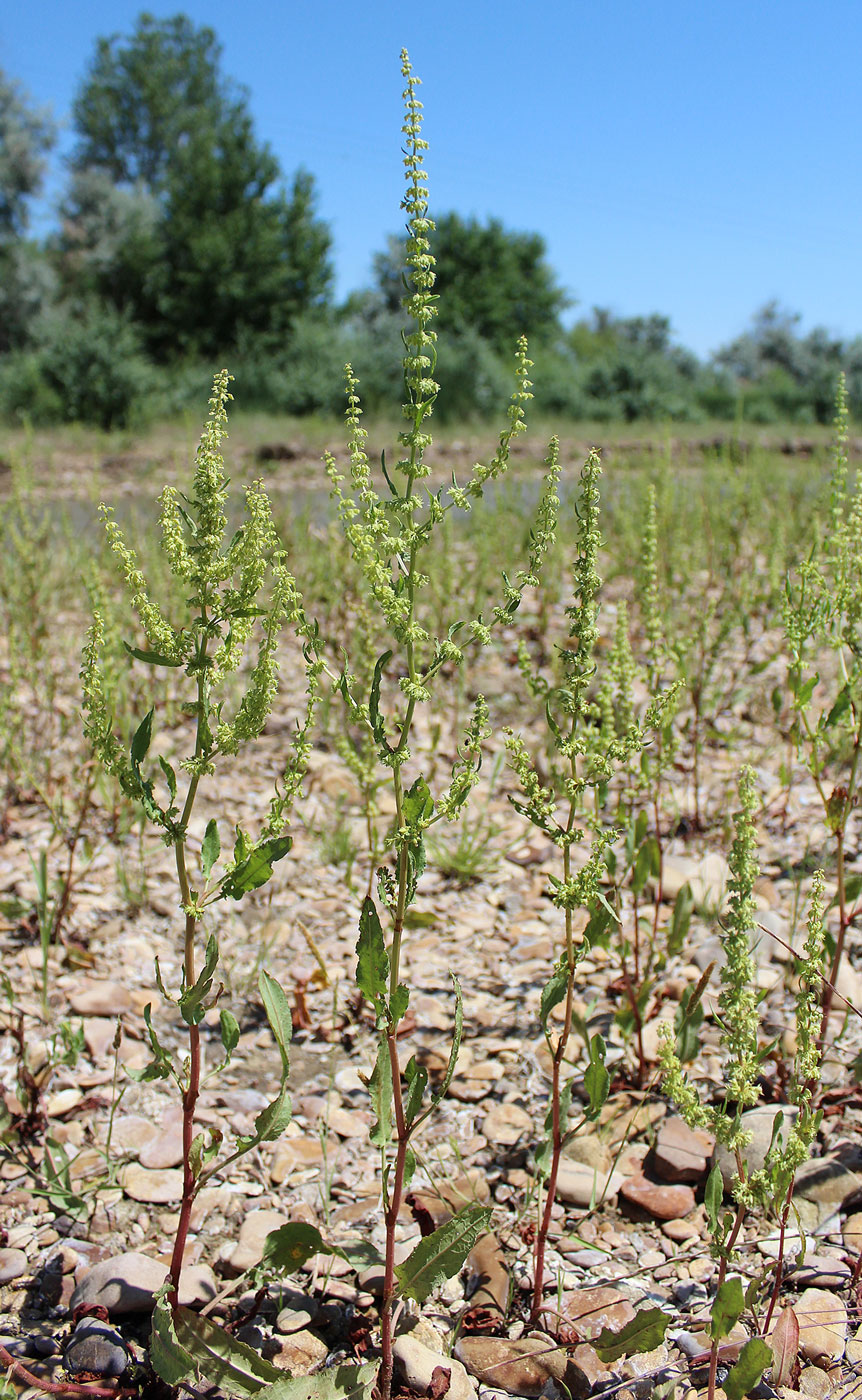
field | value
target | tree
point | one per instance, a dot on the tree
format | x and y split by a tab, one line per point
26	137
492	281
784	375
196	242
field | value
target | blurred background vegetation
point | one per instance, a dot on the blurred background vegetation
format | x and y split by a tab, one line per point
181	247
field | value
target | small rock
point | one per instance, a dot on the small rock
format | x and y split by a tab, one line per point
301	1353
580	1185
123	1284
488	1283
590	1309
299	1312
151	1187
681	1153
165	1148
198	1285
13	1263
587	1374
680	1230
661	1202
417	1363
132	1133
853	1231
293	1154
829	1181
99	998
853	1350
96	1347
521	1367
506	1123
253	1232
822	1325
818	1383
821	1271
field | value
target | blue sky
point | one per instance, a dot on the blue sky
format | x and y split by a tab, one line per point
696	159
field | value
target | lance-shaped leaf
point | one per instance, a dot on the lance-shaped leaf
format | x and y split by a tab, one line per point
597	1080
269	1124
256	868
380	1093
745	1375
141	741
417	1083
161	1065
229	1028
727	1308
645	1331
152	658
455	1046
683	908
335	1383
554	991
440	1255
191	1002
211	848
220	1359
372	960
277	1008
167	1357
713	1197
785	1347
378	727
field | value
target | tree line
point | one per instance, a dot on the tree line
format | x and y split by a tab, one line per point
180	246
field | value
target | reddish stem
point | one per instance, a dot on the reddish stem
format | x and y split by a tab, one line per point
21	1373
393	1206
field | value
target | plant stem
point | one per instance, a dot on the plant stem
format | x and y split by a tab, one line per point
393	1206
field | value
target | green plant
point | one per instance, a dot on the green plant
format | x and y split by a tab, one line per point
823	627
223	580
771	1186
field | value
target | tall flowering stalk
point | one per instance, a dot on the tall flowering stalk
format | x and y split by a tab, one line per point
235	588
739	999
388	536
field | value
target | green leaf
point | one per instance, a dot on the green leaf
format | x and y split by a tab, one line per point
203	1152
211	848
645	864
842	704
727	1308
713	1198
277	1008
440	1255
597	1081
378	727
398	1003
335	1383
554	991
220	1359
418	803
754	1358
170	778
417	1083
455	1045
191	1002
380	1092
372	960
161	1065
269	1124
229	1027
256	868
141	741
645	1331
683	908
152	658
286	1249
170	1361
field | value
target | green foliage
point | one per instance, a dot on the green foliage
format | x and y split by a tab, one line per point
491	281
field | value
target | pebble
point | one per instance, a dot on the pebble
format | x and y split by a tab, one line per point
488	1275
165	1147
124	1283
521	1367
13	1263
661	1202
680	1152
506	1123
127	1283
680	1230
821	1271
94	997
300	1311
132	1133
591	1309
822	1320
252	1235
301	1352
151	1187
416	1363
852	1231
96	1347
580	1185
294	1154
